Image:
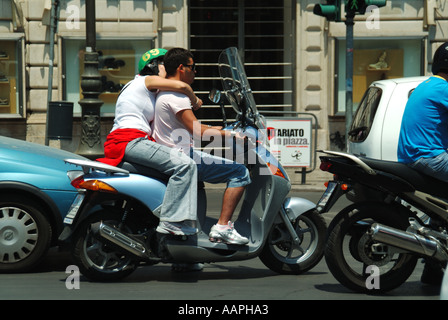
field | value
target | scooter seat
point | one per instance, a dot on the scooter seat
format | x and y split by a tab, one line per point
143	170
419	180
149	172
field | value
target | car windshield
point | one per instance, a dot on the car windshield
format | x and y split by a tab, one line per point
363	119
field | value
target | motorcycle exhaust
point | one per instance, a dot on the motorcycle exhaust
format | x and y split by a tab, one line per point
120	239
409	241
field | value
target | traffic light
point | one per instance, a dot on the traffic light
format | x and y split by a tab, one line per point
331	10
360	6
367	3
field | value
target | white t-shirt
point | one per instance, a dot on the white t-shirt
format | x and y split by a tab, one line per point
135	107
167	130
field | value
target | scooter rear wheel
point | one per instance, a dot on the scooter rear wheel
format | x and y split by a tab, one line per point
282	255
97	259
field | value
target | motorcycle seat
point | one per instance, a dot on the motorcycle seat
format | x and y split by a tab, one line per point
419	180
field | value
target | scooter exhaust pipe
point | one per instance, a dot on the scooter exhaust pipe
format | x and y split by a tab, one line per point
408	241
115	236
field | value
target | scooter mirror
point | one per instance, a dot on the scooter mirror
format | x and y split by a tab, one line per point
215	96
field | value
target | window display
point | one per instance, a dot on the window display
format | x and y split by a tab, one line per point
376	60
9	75
117	65
374	64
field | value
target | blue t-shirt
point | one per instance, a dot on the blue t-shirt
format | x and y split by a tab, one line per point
424	127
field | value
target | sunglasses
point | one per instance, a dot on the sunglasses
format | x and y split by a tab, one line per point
191	66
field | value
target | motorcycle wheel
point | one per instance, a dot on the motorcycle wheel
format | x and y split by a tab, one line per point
281	255
349	253
97	259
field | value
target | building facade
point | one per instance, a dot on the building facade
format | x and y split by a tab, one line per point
294	59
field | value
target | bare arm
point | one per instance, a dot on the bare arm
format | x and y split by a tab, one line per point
162	84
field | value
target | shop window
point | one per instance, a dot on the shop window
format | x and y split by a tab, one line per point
11	99
117	65
376	60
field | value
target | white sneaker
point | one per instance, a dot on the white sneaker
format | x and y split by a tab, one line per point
176	228
229	235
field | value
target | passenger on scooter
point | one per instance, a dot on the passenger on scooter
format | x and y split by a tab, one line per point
175	119
423	140
131	139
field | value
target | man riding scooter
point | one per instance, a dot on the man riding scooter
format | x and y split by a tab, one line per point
173	113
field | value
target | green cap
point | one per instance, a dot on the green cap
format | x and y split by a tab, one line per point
149	56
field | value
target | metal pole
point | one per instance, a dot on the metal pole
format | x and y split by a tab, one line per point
53	26
90	25
90	144
241	30
349	74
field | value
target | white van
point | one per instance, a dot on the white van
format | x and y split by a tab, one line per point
376	124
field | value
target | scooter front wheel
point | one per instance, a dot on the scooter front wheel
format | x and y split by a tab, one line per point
97	259
285	256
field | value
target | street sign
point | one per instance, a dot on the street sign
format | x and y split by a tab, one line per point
290	141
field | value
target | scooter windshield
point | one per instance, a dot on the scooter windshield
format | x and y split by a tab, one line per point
236	85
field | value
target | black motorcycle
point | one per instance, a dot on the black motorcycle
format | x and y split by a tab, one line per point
398	215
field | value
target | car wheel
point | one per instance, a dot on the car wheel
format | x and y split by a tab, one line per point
25	235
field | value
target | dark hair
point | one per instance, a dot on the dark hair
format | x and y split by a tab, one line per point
152	69
174	58
440	60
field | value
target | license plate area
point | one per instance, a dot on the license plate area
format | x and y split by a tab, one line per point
74	208
329	193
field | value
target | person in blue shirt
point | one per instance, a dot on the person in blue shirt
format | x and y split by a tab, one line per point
423	140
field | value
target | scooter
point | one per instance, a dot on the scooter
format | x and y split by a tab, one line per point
111	225
398	215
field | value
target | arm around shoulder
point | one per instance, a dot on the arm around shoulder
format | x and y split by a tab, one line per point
163	84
